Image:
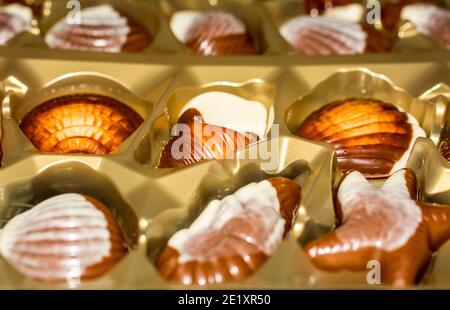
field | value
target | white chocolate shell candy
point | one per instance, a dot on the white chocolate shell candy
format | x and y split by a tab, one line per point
324	36
63	239
383	223
431	21
14	19
99	29
370	136
212	33
233	236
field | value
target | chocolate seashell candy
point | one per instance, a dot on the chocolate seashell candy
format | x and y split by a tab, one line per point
14	19
66	238
84	123
100	29
383	223
370	136
212	33
233	236
199	143
429	19
324	35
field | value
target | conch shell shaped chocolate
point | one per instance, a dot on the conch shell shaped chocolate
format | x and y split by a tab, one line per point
100	29
232	237
385	224
66	238
201	142
328	36
218	33
14	19
85	123
444	148
370	136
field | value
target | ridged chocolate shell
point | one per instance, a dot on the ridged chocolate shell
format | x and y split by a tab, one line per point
369	135
383	223
445	148
66	238
203	145
219	33
102	29
329	36
85	123
14	19
231	241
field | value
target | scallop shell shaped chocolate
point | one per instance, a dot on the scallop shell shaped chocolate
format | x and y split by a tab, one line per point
100	29
66	238
430	20
445	148
85	123
370	136
328	36
383	223
199	141
14	19
232	237
218	33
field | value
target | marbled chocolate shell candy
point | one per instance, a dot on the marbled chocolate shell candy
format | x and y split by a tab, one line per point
213	33
445	148
233	236
370	136
100	29
14	19
201	142
85	123
332	36
383	223
66	238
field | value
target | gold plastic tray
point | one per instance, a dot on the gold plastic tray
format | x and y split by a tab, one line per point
151	204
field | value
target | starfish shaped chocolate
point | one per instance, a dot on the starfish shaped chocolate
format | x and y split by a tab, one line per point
383	223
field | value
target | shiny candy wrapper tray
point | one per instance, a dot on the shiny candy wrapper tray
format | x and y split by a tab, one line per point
150	203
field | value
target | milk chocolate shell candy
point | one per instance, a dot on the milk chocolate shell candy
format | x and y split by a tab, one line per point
233	236
100	29
445	148
324	35
199	141
212	33
85	123
382	223
370	136
63	239
14	19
